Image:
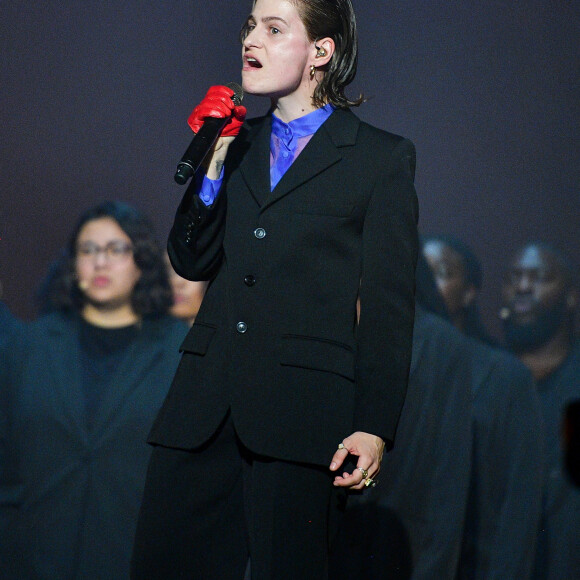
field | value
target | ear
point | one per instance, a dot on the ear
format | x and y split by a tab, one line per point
323	51
469	295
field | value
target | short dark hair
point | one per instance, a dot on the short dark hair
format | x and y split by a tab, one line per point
334	19
152	292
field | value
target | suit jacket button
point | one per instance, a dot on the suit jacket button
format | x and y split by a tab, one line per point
241	327
260	233
249	280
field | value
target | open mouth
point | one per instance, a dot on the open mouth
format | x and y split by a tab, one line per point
253	62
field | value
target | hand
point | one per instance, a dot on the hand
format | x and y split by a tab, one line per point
218	103
369	449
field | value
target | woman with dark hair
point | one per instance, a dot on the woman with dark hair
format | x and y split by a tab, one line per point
79	393
283	400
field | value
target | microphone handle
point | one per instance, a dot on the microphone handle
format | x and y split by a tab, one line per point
200	146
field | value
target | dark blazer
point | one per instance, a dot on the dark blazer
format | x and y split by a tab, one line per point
413	521
69	496
460	494
504	504
276	339
558	554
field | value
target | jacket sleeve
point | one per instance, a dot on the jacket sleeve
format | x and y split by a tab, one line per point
195	244
385	331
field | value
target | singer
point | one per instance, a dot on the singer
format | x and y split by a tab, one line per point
284	398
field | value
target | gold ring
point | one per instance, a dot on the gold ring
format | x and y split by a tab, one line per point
341	446
364	472
370	483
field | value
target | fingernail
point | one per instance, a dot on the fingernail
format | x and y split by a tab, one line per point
333	465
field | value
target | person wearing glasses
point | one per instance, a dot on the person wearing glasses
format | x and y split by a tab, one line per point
80	390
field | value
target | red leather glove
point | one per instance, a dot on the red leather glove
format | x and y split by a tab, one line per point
218	103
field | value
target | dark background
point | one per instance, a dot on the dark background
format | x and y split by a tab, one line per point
95	97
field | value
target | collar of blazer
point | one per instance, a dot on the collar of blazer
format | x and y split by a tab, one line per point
66	367
322	151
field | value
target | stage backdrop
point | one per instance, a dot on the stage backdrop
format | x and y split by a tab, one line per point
95	97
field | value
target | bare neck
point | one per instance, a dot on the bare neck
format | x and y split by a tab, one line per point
289	109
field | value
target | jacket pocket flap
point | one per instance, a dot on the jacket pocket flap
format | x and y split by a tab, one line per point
318	354
197	339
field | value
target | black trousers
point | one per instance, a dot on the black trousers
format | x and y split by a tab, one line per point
205	512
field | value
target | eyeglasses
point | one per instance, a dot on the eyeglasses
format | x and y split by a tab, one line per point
113	251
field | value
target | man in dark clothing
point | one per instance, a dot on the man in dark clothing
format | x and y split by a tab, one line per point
504	502
540	303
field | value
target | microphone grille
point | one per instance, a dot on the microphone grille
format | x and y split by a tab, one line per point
238	95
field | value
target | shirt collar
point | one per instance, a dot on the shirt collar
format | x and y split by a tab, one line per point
301	127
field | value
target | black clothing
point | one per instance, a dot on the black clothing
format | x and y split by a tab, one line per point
559	541
235	503
102	351
70	489
411	524
459	495
507	469
285	353
275	342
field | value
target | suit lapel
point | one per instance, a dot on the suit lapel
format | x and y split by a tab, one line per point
255	167
64	361
322	151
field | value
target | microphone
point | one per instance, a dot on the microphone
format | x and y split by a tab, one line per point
204	140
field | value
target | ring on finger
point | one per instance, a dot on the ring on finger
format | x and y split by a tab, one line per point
370	482
364	472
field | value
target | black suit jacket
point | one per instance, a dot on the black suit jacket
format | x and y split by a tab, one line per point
413	521
70	493
504	502
276	339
